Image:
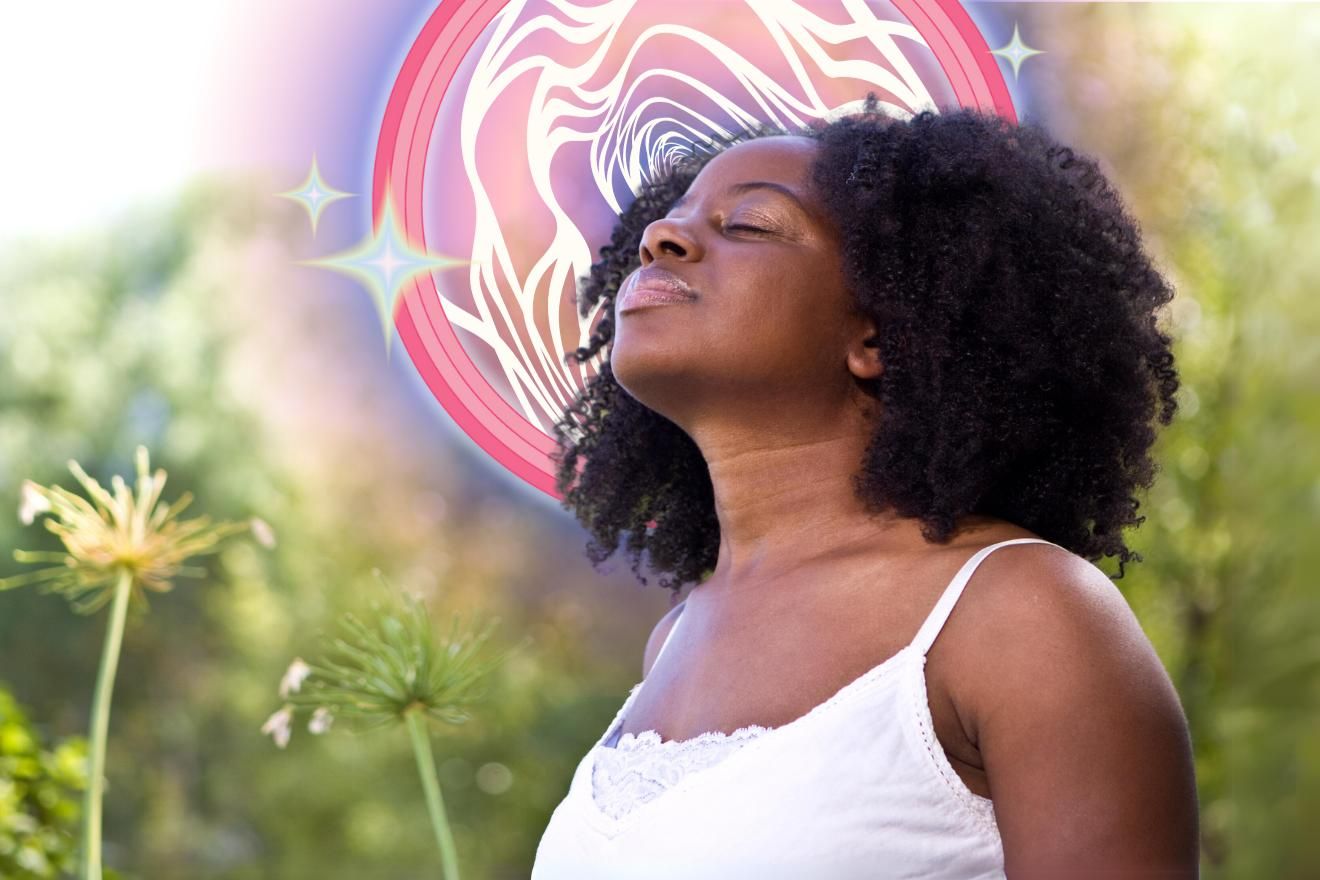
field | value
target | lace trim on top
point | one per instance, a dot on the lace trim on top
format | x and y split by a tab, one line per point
640	766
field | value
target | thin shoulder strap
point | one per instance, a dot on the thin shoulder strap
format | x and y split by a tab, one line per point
940	613
668	636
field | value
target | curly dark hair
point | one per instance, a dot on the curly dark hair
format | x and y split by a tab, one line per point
1016	313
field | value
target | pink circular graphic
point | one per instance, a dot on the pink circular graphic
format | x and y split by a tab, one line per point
490	385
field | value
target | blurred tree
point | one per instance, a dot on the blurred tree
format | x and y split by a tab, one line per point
1203	117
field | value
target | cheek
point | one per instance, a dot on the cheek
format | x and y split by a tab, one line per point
776	335
797	302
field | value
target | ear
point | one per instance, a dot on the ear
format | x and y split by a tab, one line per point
864	351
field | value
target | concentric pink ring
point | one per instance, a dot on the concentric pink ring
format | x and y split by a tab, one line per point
405	135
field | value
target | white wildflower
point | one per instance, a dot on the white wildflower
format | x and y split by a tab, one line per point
262	531
31	503
279	726
321	720
294	677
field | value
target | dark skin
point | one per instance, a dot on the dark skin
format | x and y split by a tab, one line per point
1044	691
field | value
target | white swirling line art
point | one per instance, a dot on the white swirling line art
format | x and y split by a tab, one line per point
628	147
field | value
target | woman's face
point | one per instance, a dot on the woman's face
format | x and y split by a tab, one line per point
771	316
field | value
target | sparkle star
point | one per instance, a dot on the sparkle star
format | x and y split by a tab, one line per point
314	194
1016	51
383	263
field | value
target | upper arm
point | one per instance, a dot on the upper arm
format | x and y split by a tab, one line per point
658	635
1083	737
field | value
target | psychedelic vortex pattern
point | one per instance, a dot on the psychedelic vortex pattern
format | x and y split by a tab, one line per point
516	131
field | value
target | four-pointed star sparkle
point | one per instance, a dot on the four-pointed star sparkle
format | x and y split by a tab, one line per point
314	194
1016	51
383	263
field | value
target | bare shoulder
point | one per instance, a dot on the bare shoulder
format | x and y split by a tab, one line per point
658	635
1036	604
1082	734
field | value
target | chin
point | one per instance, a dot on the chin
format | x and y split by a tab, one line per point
655	379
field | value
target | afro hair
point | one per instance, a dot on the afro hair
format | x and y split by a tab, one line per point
1016	313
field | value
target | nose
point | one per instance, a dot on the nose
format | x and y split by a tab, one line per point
667	236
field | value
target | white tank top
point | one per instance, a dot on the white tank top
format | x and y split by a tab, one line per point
858	787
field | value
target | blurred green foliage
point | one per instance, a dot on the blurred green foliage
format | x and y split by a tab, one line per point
186	327
264	390
1204	118
40	797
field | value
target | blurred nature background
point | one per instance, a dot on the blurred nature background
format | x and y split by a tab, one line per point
181	323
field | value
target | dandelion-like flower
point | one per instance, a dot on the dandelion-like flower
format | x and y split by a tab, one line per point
393	672
126	532
376	675
117	547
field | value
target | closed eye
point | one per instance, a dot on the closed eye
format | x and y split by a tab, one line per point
744	226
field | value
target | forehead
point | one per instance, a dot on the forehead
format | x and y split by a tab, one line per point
782	159
779	161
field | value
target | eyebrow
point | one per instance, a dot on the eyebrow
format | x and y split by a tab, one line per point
747	185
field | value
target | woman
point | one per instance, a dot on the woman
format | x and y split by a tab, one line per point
849	368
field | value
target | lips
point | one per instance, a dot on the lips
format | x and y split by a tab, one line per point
652	286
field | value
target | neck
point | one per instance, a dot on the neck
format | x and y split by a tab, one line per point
789	501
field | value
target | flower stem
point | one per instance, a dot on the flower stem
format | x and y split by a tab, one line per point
105	683
421	743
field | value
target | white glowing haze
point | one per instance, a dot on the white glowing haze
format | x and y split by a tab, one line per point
101	106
